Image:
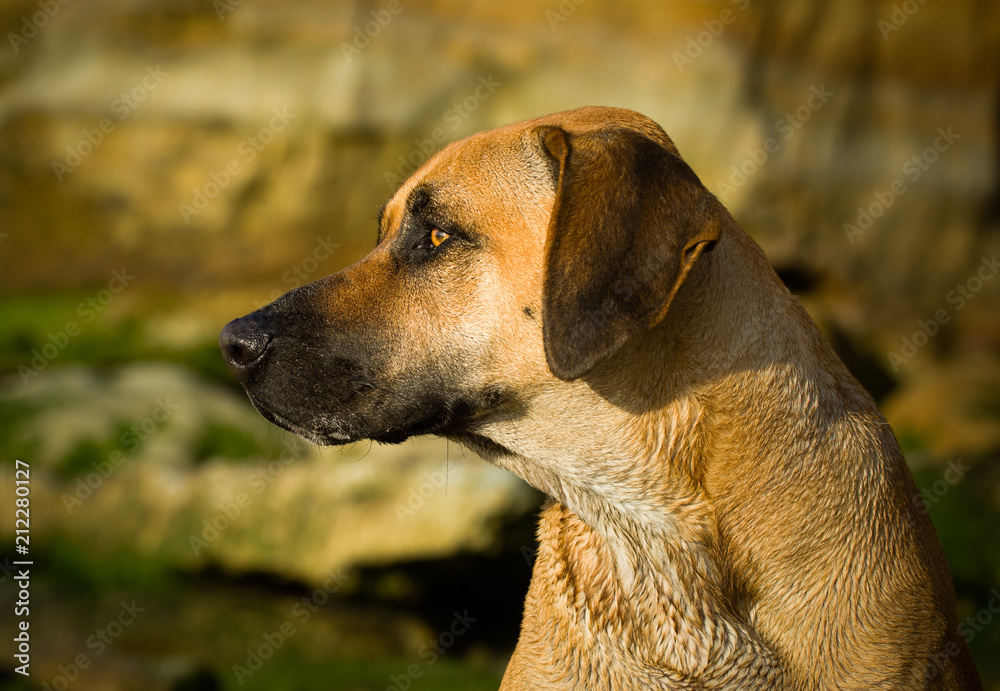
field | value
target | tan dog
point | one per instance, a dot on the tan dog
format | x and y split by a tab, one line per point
728	508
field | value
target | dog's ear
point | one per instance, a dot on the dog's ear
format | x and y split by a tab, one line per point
630	219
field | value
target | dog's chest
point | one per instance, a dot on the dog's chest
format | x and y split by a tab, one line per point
600	618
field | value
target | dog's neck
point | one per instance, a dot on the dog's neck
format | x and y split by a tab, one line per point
636	526
631	550
639	453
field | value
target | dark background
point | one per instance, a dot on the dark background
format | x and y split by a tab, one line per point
215	155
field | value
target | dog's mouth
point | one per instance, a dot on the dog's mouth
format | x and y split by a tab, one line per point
321	437
328	430
452	418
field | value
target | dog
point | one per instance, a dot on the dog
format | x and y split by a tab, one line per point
727	507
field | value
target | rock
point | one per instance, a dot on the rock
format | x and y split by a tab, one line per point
257	131
224	157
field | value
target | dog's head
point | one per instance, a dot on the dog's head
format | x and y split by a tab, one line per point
514	260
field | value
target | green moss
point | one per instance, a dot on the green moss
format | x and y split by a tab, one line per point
83	458
14	443
88	568
910	440
967	520
29	324
90	454
219	439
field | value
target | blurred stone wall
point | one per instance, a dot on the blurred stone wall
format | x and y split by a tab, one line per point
222	152
240	148
246	144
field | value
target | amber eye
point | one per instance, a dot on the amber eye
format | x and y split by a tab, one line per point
438	236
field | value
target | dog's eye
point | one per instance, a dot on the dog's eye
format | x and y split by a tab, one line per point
431	240
438	236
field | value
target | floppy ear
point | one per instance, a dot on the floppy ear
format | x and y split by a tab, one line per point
629	221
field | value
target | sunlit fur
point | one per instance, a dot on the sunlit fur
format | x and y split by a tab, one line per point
729	509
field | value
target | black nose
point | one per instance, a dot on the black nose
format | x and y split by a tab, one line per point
243	342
